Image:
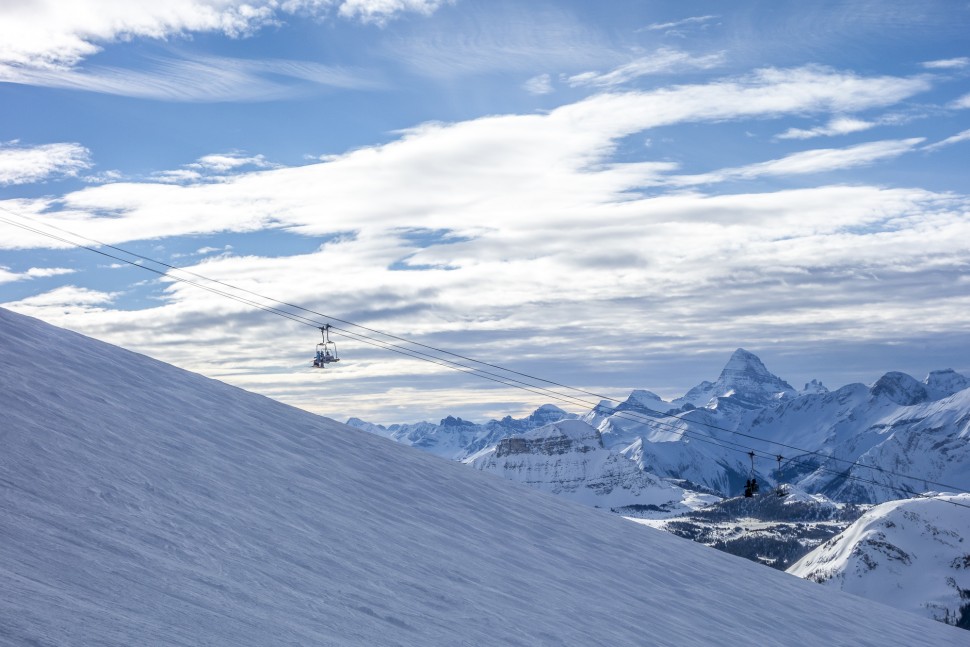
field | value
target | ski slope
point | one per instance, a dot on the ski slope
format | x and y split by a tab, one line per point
144	505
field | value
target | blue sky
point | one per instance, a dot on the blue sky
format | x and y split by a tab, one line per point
611	195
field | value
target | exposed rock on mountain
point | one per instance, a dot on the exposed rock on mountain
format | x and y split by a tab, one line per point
911	554
745	379
456	439
568	458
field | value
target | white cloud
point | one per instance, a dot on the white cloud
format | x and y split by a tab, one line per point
694	20
199	79
7	276
663	61
26	164
516	164
52	35
66	298
949	141
213	168
222	162
805	162
962	102
541	84
177	176
837	126
948	63
379	11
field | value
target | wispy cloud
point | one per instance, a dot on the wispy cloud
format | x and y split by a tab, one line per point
837	126
541	84
43	35
663	61
806	162
215	167
8	276
948	63
380	11
949	141
510	39
68	298
26	164
961	103
200	79
692	21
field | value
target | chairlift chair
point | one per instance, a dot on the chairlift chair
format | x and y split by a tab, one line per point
326	352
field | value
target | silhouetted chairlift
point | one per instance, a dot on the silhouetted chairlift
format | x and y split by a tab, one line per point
751	485
326	349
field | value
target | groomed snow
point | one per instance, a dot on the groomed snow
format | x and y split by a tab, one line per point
143	505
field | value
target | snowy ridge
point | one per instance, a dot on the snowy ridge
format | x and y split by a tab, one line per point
141	504
907	554
568	458
456	439
897	424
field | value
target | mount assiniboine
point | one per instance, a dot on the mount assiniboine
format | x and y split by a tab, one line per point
142	504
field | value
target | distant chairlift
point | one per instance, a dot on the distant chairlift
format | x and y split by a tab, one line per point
751	485
326	349
782	490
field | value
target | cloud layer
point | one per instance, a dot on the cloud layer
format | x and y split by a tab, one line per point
521	235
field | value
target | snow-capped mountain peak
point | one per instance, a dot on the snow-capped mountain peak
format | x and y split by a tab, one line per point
744	378
900	388
944	383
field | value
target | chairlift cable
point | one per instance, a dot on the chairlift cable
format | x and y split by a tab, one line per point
511	382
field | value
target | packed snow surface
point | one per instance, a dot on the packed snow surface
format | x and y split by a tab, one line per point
144	505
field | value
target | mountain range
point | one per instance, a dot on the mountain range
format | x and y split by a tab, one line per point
858	444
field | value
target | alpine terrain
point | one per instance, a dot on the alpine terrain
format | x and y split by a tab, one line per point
141	504
822	459
908	554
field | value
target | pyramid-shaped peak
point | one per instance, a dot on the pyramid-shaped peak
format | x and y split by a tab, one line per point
743	361
745	376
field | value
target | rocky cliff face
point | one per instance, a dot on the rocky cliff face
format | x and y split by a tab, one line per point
456	439
568	458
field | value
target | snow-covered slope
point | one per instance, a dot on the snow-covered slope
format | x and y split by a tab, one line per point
143	505
909	554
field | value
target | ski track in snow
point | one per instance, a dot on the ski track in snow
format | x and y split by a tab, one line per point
141	504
